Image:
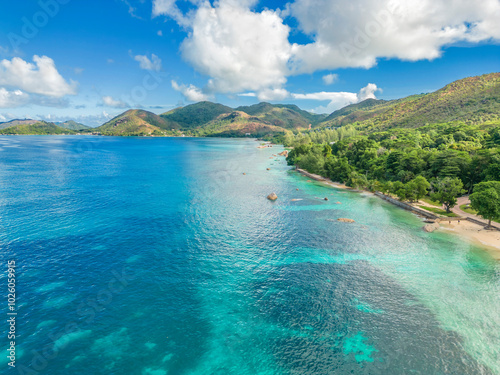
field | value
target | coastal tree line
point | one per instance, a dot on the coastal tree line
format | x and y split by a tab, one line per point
442	161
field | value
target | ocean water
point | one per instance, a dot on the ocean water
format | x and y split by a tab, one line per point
158	256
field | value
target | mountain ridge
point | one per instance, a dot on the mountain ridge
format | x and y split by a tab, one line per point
470	100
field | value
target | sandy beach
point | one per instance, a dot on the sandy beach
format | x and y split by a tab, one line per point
476	234
469	231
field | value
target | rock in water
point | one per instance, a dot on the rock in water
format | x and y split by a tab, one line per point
268	169
326	198
272	197
283	153
429	228
343	220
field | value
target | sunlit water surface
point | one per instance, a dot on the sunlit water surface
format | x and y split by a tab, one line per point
159	256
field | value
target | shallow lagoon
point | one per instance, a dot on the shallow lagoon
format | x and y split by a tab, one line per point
158	256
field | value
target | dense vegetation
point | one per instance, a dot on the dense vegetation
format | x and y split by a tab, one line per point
134	122
11	123
471	100
283	115
195	115
486	200
72	125
449	159
39	128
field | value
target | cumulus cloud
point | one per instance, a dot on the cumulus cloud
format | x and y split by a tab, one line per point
272	94
41	77
330	78
115	103
190	92
18	98
337	100
12	99
149	64
358	33
368	92
240	49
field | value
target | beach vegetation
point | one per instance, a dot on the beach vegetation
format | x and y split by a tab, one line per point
486	200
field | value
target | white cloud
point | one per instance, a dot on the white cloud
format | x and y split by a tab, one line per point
147	64
368	92
111	102
243	50
169	8
79	70
191	92
330	78
358	33
19	98
159	33
12	99
337	100
239	49
272	94
39	78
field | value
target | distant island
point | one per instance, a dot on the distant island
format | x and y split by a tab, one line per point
474	100
434	146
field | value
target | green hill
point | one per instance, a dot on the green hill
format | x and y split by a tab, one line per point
38	128
72	125
470	100
206	115
237	124
195	115
8	124
473	100
135	122
287	116
354	112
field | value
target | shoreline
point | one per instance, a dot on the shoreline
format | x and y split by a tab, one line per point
475	234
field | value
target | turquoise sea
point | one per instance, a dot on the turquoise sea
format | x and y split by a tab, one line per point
158	256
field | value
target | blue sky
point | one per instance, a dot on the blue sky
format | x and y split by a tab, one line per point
98	58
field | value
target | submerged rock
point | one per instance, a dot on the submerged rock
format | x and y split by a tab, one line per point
268	169
326	198
272	197
429	228
343	220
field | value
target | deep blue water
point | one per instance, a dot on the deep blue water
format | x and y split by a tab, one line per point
156	256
